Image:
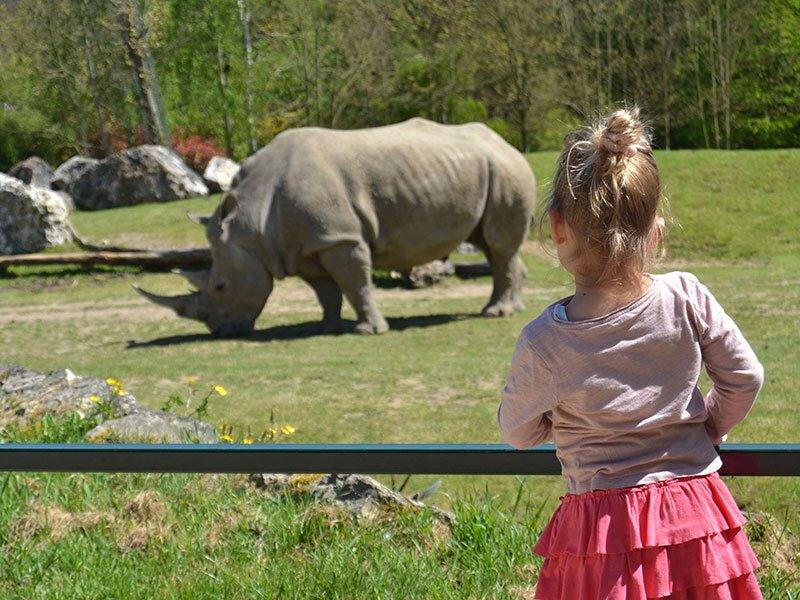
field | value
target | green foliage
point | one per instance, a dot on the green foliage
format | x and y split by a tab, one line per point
67	428
25	133
708	74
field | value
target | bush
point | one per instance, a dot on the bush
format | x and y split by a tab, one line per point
25	133
195	149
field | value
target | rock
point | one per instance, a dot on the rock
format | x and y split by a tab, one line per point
28	395
364	498
134	176
429	273
31	218
154	427
67	172
463	248
219	174
33	171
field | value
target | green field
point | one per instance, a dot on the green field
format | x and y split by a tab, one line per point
436	376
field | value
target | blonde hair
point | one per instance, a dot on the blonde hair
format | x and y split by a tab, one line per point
608	190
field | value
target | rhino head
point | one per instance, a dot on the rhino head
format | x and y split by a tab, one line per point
231	295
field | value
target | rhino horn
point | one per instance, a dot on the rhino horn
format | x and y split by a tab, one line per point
199	219
184	304
198	279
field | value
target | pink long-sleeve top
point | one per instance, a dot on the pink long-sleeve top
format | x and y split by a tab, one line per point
618	394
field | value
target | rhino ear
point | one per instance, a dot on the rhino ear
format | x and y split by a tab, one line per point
199	219
228	209
228	206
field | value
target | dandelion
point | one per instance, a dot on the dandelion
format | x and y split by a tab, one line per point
221	391
94	398
114	382
247	440
119	391
227	438
273	431
288	430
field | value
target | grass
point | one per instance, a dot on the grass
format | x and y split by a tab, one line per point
134	536
436	376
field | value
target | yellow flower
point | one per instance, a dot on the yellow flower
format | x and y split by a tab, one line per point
191	380
95	398
247	440
288	430
114	382
220	390
227	438
273	431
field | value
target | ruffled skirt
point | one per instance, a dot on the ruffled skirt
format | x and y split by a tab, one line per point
680	538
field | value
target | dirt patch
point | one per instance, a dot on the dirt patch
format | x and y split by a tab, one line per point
145	506
55	522
147	527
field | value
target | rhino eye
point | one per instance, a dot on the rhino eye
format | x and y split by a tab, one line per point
220	286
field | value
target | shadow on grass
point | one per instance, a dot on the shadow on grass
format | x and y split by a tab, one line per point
307	329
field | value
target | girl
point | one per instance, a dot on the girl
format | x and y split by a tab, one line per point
610	374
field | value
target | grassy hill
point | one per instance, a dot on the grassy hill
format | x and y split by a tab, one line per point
436	376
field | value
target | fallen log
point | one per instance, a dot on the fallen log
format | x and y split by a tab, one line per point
151	260
470	270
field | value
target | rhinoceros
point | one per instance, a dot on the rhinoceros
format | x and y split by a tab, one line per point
330	205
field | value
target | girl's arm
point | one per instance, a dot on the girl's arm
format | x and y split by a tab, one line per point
730	362
525	413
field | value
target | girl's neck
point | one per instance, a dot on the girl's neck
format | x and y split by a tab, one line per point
591	302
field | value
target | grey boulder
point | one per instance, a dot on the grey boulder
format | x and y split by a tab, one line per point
33	171
134	176
67	172
364	497
219	174
27	396
31	218
150	426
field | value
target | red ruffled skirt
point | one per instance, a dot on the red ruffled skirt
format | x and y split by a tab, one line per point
680	538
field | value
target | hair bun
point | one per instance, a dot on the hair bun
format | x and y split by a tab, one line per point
623	134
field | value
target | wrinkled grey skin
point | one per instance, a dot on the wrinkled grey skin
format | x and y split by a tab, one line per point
329	205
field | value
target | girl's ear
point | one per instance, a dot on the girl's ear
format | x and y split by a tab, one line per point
558	228
657	233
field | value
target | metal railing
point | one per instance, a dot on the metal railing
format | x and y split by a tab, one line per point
440	459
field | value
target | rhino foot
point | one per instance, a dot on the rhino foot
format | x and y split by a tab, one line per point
500	309
366	327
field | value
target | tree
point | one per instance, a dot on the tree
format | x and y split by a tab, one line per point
135	35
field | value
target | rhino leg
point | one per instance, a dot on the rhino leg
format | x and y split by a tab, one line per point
350	266
330	297
508	274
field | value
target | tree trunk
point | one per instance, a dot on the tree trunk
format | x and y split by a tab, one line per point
91	69
712	62
222	85
701	113
146	79
244	18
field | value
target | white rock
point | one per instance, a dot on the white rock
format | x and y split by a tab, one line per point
219	173
31	218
